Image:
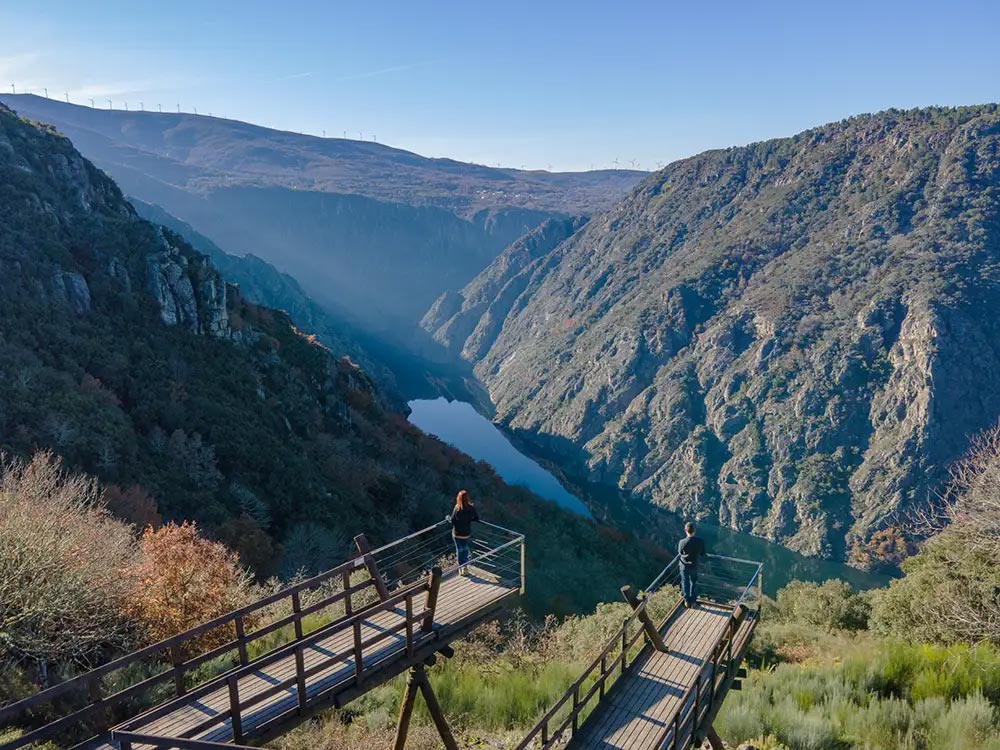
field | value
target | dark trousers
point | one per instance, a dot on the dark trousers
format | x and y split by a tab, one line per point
462	550
689	585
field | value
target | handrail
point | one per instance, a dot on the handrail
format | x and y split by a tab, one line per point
695	688
172	648
618	638
125	740
279	653
655	583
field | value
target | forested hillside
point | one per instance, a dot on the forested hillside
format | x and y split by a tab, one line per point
792	338
125	352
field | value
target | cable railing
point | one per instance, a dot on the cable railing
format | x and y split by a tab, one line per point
84	707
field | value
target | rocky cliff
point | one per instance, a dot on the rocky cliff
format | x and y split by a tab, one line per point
371	232
793	338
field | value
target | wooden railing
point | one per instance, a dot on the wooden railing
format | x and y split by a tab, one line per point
360	581
414	624
613	662
698	701
609	665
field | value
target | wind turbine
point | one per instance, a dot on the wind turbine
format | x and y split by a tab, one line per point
142	106
46	92
324	134
109	104
91	103
345	135
67	97
178	107
195	110
159	107
616	163
12	89
126	106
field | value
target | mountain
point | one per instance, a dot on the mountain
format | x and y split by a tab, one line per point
124	351
263	284
793	338
373	232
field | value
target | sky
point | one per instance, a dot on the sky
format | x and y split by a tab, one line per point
542	85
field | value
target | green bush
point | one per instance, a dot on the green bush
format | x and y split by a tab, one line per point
831	605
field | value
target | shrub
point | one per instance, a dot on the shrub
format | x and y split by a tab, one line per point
64	571
831	605
183	580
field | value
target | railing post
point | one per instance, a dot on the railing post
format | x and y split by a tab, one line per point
433	587
234	709
241	641
409	625
297	611
522	566
300	677
177	659
652	634
604	675
576	707
348	605
365	549
358	654
124	744
624	644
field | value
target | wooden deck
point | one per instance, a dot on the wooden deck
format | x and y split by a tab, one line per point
462	601
641	707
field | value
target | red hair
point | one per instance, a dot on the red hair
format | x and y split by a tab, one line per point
462	500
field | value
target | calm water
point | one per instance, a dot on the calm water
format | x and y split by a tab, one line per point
459	424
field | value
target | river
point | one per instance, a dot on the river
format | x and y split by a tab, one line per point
459	424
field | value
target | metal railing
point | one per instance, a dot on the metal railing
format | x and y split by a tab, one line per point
732	582
336	598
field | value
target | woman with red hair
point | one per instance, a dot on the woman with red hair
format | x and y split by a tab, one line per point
461	518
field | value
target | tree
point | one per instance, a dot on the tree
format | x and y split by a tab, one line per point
182	580
951	588
64	564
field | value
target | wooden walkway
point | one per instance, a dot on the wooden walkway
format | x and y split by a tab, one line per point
270	694
659	687
381	613
640	711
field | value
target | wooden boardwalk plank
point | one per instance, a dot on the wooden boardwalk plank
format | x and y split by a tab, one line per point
645	700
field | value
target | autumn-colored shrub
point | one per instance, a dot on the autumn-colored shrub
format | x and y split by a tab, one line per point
183	580
64	567
133	505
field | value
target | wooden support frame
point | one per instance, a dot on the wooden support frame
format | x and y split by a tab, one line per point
647	623
361	541
417	680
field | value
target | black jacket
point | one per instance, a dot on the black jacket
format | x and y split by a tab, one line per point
461	521
691	548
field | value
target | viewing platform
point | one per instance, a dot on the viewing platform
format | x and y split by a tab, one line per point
329	639
658	687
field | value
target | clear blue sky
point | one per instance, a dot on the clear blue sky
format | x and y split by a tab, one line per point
567	84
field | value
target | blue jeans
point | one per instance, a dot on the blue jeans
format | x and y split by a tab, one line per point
689	585
462	550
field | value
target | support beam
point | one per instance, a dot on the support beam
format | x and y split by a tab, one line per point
651	632
365	549
417	680
436	713
713	739
406	711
